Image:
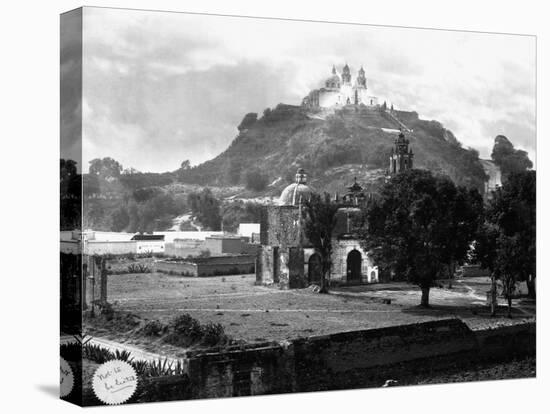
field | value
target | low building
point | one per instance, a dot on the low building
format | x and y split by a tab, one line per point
184	247
114	247
250	230
149	243
171	236
218	245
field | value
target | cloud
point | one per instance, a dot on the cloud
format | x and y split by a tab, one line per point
164	87
71	87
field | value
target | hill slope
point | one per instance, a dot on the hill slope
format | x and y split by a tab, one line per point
335	147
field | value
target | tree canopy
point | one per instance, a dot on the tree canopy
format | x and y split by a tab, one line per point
206	208
419	225
509	159
105	167
506	244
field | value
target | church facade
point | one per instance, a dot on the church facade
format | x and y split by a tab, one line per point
340	90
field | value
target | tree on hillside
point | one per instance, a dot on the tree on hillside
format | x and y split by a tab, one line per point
319	218
206	208
411	228
509	159
255	180
130	171
151	214
120	219
234	171
105	168
238	212
507	244
185	165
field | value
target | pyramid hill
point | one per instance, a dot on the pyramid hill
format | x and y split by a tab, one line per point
334	145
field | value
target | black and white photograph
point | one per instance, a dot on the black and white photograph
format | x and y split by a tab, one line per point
255	206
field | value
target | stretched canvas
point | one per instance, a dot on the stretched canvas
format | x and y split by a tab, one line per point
256	206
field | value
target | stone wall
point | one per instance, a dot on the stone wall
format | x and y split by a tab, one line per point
208	266
355	359
184	248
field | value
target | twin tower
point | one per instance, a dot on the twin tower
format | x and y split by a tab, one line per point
340	90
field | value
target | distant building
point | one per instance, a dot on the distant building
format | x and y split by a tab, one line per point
170	236
494	179
223	244
149	243
401	158
340	90
250	230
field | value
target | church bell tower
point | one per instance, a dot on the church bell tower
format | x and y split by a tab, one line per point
401	158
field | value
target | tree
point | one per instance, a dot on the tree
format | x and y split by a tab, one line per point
509	159
464	216
319	218
206	208
105	168
507	243
120	219
234	172
185	165
411	229
130	171
239	212
256	180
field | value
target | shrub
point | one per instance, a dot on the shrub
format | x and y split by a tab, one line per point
213	334
153	328
185	330
138	268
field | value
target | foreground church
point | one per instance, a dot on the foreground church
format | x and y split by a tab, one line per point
341	89
287	259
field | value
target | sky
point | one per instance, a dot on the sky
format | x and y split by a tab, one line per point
160	88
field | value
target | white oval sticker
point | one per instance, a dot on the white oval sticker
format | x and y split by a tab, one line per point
114	382
66	378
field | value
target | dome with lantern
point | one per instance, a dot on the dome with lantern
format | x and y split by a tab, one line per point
334	81
297	192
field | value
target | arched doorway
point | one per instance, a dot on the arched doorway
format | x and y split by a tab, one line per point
314	269
354	266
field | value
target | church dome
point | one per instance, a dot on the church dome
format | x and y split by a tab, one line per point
334	80
297	192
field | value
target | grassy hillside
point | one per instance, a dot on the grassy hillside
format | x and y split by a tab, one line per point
333	148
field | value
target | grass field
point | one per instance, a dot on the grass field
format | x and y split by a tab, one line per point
258	313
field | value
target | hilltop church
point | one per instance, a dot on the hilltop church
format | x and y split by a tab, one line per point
340	89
